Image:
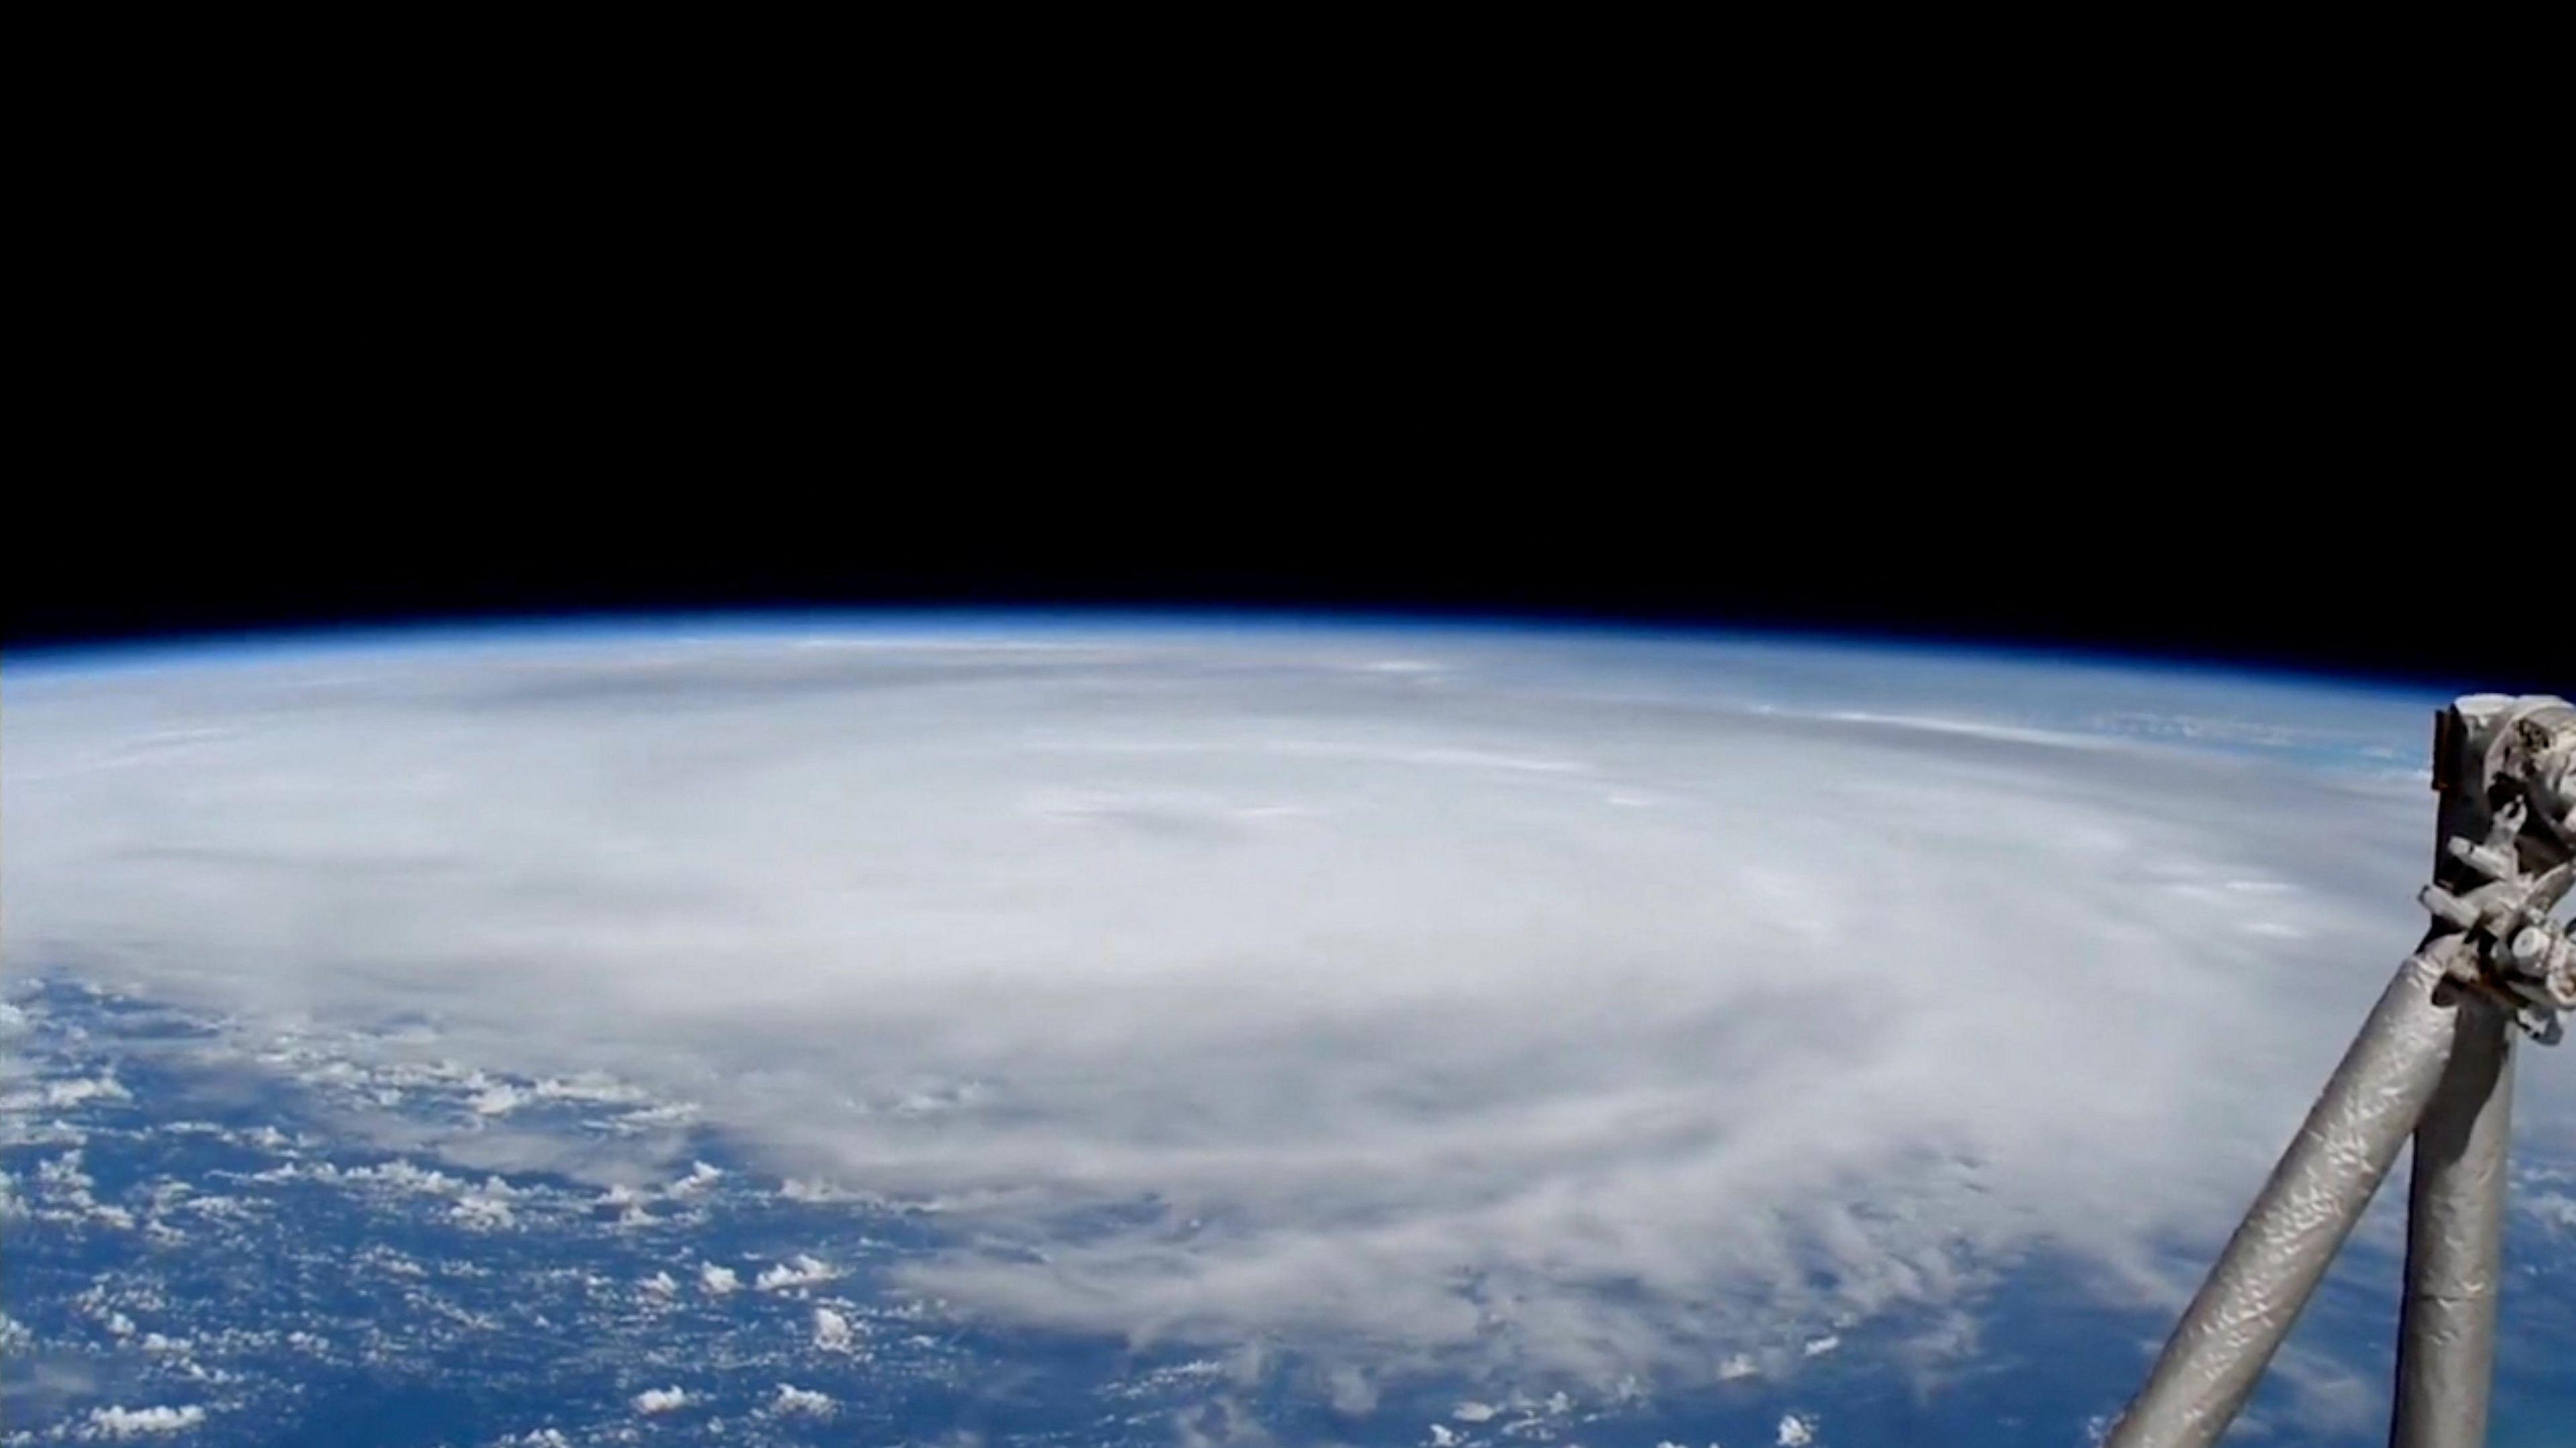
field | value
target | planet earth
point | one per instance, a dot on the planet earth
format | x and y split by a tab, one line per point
1185	1030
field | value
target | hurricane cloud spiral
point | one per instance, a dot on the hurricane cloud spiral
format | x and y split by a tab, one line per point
1571	1007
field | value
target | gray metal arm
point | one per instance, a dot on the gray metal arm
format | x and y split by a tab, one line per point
2298	1222
2455	1240
2435	1059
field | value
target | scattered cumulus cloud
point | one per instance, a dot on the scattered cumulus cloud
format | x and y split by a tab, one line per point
73	1093
802	1271
794	1400
831	1330
661	1400
122	1422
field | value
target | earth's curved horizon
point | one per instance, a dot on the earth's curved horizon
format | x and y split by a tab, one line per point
1167	1029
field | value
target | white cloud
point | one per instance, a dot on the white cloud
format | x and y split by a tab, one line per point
73	1093
122	1422
661	1400
803	1271
808	1401
1795	1432
1360	978
831	1330
487	1207
1349	1391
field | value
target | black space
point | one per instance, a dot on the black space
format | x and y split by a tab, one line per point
2317	528
2130	395
2237	583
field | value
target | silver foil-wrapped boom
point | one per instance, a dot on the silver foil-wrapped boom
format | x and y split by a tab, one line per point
2434	1061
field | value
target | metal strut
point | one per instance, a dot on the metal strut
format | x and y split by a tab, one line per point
2435	1059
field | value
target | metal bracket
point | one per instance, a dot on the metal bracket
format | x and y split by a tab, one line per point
2491	898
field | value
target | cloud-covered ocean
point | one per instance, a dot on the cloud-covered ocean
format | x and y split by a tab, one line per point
1378	1015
